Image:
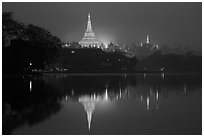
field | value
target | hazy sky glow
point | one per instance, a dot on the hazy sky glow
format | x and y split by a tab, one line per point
118	22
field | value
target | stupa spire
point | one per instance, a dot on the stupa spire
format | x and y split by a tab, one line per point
89	17
89	27
147	39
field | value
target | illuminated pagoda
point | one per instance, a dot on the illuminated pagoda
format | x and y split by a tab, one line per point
89	39
149	44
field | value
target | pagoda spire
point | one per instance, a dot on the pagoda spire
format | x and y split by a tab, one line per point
89	17
89	27
147	39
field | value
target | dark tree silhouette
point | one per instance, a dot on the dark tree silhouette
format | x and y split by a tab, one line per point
26	47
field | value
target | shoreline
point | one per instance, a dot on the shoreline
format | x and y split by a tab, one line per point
99	73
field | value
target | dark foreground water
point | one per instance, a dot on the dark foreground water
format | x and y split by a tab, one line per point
102	104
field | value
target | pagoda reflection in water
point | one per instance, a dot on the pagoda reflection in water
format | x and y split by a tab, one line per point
147	91
91	101
96	94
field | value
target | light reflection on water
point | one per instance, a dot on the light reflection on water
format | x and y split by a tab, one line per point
103	104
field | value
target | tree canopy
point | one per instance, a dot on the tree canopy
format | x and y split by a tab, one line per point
25	44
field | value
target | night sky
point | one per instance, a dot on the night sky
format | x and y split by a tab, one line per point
166	23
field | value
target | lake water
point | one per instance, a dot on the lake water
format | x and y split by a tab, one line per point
102	104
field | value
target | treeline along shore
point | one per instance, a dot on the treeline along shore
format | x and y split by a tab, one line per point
29	49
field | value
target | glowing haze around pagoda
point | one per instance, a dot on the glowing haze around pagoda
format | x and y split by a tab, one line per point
89	39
